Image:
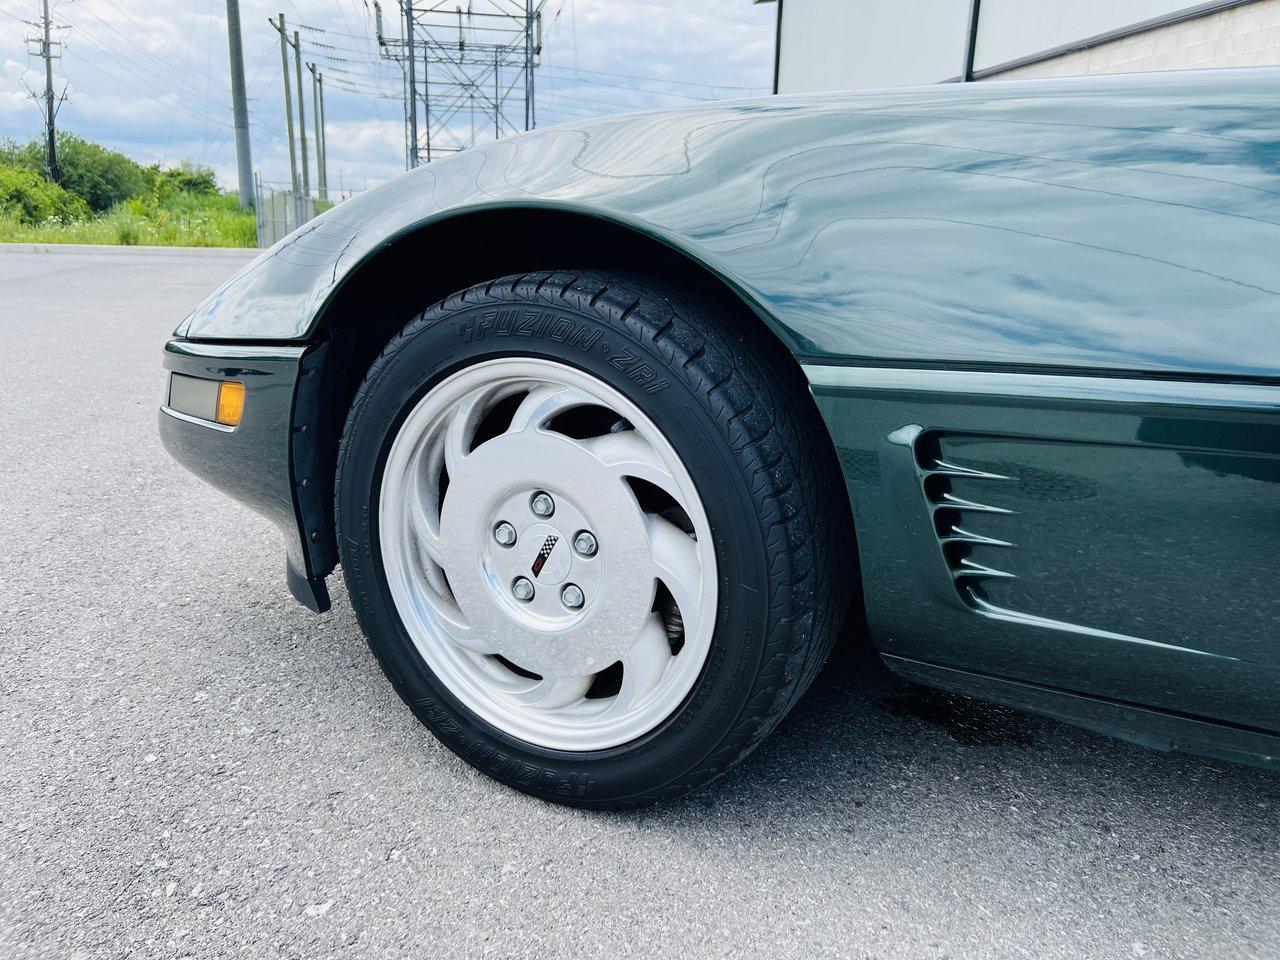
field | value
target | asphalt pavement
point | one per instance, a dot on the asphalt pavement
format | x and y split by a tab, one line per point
192	765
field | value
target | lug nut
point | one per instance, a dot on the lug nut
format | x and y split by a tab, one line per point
585	543
522	589
505	534
572	596
542	504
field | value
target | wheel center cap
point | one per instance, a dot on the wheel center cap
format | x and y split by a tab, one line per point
545	553
542	634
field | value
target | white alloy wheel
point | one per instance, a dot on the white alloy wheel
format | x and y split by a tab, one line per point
528	559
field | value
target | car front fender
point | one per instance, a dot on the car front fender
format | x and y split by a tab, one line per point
1109	223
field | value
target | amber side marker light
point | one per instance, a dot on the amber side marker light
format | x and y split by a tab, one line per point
230	402
218	403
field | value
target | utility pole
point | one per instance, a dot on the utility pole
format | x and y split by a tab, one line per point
535	48
317	114
240	107
528	62
380	36
302	116
49	108
970	40
288	117
411	104
324	143
426	99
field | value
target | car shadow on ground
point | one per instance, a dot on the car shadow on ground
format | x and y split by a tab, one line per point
868	755
864	743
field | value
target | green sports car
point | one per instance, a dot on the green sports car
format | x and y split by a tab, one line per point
614	427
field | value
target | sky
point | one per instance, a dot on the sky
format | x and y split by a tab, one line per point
150	77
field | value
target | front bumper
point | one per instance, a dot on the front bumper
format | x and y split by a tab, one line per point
250	462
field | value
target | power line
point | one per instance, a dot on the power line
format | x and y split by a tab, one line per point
163	73
208	56
696	13
451	75
151	96
557	95
635	89
472	60
186	69
146	30
633	76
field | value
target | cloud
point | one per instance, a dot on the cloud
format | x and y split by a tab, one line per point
152	79
14	97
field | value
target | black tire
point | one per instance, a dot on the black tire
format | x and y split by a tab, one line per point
739	414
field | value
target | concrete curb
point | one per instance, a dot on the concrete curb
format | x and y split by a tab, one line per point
120	250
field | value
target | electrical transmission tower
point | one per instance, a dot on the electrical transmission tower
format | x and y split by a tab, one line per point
468	71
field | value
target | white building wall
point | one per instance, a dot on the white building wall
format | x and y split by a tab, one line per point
858	44
1012	29
1245	36
854	44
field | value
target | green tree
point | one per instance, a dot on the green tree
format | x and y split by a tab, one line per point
100	176
130	204
186	177
26	196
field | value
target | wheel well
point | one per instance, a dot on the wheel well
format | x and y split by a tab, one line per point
423	267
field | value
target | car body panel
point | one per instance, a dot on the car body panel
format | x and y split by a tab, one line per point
1157	729
1040	319
1125	223
1117	537
251	462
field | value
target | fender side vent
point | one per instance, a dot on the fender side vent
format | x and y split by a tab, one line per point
969	541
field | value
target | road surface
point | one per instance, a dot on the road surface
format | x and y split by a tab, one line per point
192	765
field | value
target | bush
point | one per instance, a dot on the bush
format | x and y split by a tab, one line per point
101	177
186	177
10	150
128	231
29	198
133	204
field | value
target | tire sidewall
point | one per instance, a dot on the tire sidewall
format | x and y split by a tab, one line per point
701	737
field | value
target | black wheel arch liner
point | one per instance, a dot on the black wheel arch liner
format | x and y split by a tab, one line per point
388	288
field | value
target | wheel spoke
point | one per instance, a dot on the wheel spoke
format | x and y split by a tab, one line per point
643	665
468	639
629	454
461	542
461	429
423	511
675	560
550	694
426	528
543	403
445	612
502	678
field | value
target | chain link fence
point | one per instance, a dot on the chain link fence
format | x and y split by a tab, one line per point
280	210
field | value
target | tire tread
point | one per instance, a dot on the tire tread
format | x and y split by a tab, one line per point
770	422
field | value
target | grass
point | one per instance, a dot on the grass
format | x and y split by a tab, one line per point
188	220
